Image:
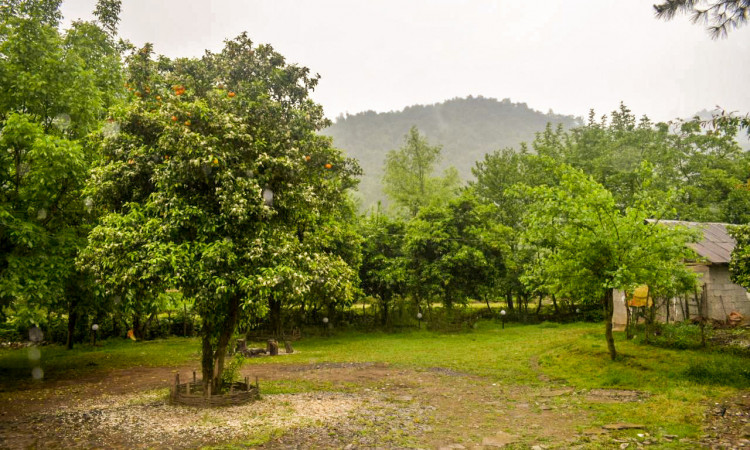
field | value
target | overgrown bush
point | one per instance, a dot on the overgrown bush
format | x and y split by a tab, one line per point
680	335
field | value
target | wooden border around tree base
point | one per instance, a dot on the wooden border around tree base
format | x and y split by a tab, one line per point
192	394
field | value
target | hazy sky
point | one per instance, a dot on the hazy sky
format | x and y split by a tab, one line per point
565	55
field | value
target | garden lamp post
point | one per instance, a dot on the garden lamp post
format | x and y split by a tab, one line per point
419	320
94	329
502	317
325	325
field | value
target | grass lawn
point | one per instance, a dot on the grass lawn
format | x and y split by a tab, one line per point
677	385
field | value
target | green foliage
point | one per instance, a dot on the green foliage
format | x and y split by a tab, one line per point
383	271
593	246
695	170
588	246
739	266
107	12
681	335
232	370
497	175
409	179
450	252
707	167
55	90
218	185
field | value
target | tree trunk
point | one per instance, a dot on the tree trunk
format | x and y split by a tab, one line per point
184	319
554	305
72	317
115	325
226	334
610	310
384	312
207	360
137	325
274	307
702	308
539	305
487	300
629	321
509	299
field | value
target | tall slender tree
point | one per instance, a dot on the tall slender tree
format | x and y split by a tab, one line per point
409	174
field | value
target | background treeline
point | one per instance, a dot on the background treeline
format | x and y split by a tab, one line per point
169	196
466	128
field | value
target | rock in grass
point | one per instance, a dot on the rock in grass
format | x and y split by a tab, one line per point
500	439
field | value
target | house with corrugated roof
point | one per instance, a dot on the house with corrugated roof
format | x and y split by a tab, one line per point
716	297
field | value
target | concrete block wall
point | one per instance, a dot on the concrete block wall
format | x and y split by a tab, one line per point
723	298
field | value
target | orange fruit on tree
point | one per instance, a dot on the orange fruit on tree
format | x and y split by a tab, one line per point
174	118
231	94
131	161
328	165
307	158
187	123
216	161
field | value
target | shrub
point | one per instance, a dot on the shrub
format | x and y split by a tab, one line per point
681	335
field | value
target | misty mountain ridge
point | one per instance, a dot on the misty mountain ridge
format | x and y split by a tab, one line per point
466	128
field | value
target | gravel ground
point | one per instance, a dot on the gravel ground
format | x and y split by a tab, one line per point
146	420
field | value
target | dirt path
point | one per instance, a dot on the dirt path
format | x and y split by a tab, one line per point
342	405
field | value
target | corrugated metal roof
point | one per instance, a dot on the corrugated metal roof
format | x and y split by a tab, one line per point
717	244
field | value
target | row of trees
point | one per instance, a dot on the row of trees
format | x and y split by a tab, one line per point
571	218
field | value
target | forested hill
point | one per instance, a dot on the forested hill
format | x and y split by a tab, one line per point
467	128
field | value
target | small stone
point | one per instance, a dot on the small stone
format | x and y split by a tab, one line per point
501	439
625	445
